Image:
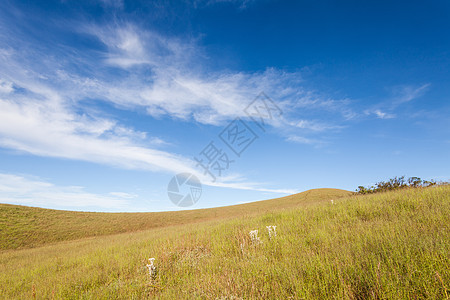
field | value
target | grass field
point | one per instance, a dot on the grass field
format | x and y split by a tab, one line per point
28	227
393	245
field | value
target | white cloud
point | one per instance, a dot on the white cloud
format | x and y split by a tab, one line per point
6	87
383	115
112	3
400	95
380	114
16	189
178	86
252	187
313	125
48	128
304	140
166	76
407	93
123	195
157	74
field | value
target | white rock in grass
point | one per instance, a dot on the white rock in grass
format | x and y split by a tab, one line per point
151	268
272	231
254	237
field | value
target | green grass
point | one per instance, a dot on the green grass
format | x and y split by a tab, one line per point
391	245
28	227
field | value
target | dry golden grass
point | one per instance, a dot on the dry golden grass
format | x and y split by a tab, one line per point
27	227
392	245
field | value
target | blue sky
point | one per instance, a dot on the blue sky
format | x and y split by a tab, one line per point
103	102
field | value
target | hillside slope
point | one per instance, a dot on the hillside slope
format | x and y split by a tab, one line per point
392	245
27	227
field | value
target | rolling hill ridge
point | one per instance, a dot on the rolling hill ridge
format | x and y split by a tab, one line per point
390	245
28	227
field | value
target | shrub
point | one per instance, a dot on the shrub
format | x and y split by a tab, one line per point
397	183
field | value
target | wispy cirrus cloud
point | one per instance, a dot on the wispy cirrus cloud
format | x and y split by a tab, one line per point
48	127
383	115
246	185
400	95
179	86
304	140
17	189
40	111
45	126
112	3
314	125
380	114
407	93
6	87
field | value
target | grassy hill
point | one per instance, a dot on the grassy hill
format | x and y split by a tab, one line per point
27	227
392	245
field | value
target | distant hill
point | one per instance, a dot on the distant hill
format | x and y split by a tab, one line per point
28	227
388	245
